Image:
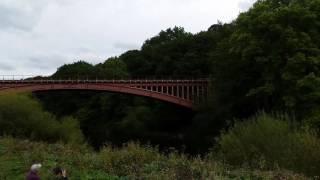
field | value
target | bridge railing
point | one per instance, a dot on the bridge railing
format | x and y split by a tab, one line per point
37	78
51	81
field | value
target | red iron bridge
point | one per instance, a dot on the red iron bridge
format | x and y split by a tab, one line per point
186	93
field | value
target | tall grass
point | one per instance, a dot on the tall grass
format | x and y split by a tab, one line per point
132	161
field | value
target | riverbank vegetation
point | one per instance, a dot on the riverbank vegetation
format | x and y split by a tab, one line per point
132	161
262	146
22	116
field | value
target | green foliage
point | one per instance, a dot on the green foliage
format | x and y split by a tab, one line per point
271	142
313	119
136	120
173	53
165	37
132	161
272	61
21	116
69	130
77	70
128	160
113	68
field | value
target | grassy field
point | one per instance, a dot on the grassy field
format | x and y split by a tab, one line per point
132	161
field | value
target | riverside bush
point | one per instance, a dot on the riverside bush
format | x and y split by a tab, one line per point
128	160
270	142
21	116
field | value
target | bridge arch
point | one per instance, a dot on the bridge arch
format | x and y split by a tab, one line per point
184	93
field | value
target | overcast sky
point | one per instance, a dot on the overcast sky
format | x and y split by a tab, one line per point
37	36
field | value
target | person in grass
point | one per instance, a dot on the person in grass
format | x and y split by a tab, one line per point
60	174
34	172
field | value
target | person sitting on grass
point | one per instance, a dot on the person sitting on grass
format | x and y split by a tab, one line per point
60	174
33	173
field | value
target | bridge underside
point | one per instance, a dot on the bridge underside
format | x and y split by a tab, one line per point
100	87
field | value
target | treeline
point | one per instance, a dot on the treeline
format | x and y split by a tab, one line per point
267	59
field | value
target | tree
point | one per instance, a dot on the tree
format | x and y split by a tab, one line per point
274	49
113	68
77	70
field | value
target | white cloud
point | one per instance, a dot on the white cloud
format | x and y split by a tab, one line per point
21	15
38	36
245	4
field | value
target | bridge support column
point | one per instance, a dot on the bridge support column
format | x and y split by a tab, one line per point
188	93
182	92
198	94
193	93
178	91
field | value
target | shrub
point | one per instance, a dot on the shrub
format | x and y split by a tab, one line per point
270	142
21	116
130	159
313	119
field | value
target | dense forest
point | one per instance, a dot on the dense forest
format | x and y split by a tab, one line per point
263	65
